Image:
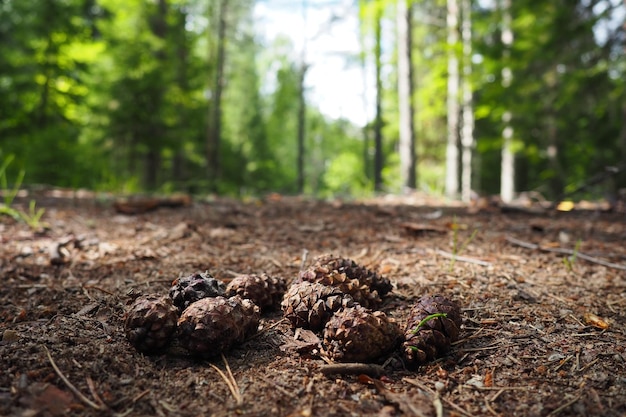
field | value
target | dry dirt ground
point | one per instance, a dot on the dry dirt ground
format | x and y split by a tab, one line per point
541	335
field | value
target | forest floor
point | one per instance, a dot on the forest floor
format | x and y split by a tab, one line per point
541	335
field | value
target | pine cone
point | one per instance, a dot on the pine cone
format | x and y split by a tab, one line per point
433	339
359	335
186	290
215	324
333	278
328	262
311	304
150	322
263	290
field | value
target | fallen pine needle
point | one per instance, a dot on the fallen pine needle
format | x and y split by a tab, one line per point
459	258
419	384
71	386
564	406
230	381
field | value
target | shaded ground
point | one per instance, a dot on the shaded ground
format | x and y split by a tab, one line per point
528	345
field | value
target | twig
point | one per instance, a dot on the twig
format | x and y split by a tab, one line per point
230	381
71	386
564	406
425	388
564	251
353	369
462	258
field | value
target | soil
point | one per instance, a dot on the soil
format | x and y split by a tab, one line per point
543	334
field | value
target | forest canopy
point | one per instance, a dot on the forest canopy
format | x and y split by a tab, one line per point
187	95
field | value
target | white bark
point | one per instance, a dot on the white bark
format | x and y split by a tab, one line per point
405	97
452	150
467	128
507	173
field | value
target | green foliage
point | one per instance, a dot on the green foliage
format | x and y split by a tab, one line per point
115	95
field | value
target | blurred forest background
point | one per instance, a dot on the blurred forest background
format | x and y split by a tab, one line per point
495	96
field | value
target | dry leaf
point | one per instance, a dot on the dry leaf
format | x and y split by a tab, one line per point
595	321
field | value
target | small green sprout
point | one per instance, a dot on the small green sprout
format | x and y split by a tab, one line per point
569	261
426	320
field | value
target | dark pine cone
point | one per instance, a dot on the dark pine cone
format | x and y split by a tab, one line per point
326	263
311	304
433	339
265	291
186	290
215	324
150	322
359	335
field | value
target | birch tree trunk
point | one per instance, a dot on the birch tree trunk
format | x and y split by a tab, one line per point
467	129
507	172
301	128
378	122
408	157
452	150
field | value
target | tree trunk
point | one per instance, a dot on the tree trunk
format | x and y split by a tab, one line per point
507	173
154	141
214	128
452	149
405	95
378	122
301	128
467	129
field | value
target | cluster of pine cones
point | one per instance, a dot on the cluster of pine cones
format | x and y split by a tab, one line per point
334	296
340	298
208	316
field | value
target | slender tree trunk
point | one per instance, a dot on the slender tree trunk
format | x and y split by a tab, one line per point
154	141
378	122
301	128
452	149
214	128
179	171
467	128
507	173
408	156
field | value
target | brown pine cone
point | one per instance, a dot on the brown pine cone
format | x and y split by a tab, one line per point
214	325
328	262
434	337
359	335
311	304
265	291
361	293
150	323
186	290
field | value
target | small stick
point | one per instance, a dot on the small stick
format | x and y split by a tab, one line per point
564	251
353	369
70	385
